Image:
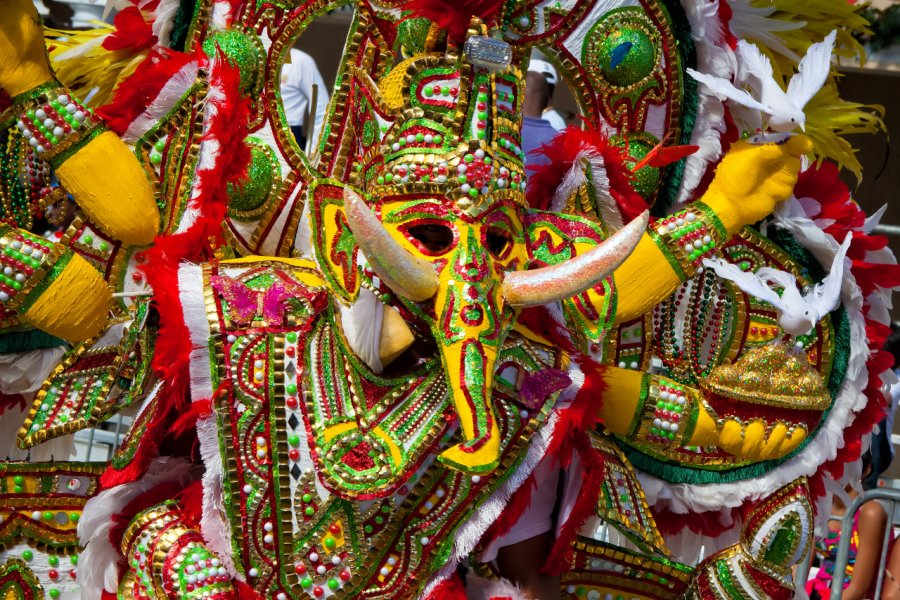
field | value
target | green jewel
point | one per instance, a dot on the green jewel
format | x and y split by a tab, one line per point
481	134
48	515
333	584
294	439
291	388
368	529
428	91
73	559
54	593
420	137
462	178
18	489
309	511
27	555
53	561
379	180
473	192
18	480
385	509
438	139
291	336
445	90
379	520
160	144
307	498
468	158
482	115
388	177
75	516
425	178
244	50
329	543
306	582
88	239
482	97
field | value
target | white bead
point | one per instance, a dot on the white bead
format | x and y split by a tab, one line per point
7	271
440	493
707	239
501	183
484	191
253	572
690	217
464	188
267	527
657	422
247	488
441	178
425	541
39	149
476	479
48	123
462	168
191	569
523	414
671	226
392	561
268	538
62	99
336	560
258	376
40	114
281	596
679	221
258	364
673	427
222	571
215	562
20	125
58	131
260	440
79	115
479	153
20	277
314	557
3	298
27	250
410	138
191	578
71	108
231	338
395	147
384	571
260	454
27	134
429	138
524	21
633	365
622	364
33	141
36	515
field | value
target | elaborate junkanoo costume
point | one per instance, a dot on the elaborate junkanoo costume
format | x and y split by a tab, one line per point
348	370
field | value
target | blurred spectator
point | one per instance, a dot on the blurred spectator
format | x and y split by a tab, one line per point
882	447
540	82
298	76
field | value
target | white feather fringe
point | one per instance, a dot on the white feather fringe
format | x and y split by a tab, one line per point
478	588
99	565
193	307
214	527
171	93
589	159
164	21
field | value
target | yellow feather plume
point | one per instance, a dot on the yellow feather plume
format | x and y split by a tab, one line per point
87	68
829	117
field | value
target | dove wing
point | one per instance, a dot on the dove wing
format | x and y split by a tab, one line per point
725	89
812	72
791	299
757	64
748	282
827	293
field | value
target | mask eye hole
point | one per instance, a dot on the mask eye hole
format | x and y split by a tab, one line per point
498	242
432	238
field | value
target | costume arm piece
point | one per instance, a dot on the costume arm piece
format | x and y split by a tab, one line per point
50	287
167	559
657	410
749	182
91	162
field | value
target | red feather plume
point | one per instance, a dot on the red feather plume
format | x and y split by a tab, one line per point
562	151
454	15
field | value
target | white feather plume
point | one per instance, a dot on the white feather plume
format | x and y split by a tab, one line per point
99	565
749	21
590	161
164	20
172	92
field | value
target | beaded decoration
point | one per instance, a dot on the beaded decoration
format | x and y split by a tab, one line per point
668	412
29	264
689	236
55	124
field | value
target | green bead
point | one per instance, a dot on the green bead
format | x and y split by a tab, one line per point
462	179
155	157
294	439
379	180
445	90
19	489
75	516
104	246
73	559
402	141
329	543
291	336
27	555
379	520
54	593
420	137
18	480
160	144
438	139
256	185
482	115
244	50
48	515
88	239
428	90
468	158
306	582
307	498
309	511
481	134
385	509
388	177
473	192
333	584
291	388
53	561
368	529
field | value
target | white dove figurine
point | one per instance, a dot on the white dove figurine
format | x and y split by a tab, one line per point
797	314
783	109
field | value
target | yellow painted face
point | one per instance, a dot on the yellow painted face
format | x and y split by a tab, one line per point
470	255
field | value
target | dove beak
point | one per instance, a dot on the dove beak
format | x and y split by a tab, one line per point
803	126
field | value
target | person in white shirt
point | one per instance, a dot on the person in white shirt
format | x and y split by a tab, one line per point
298	76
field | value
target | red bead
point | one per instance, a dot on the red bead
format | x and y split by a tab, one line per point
318	591
137	277
294	454
454	91
300	569
345	575
291	402
72	574
53	573
335	528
